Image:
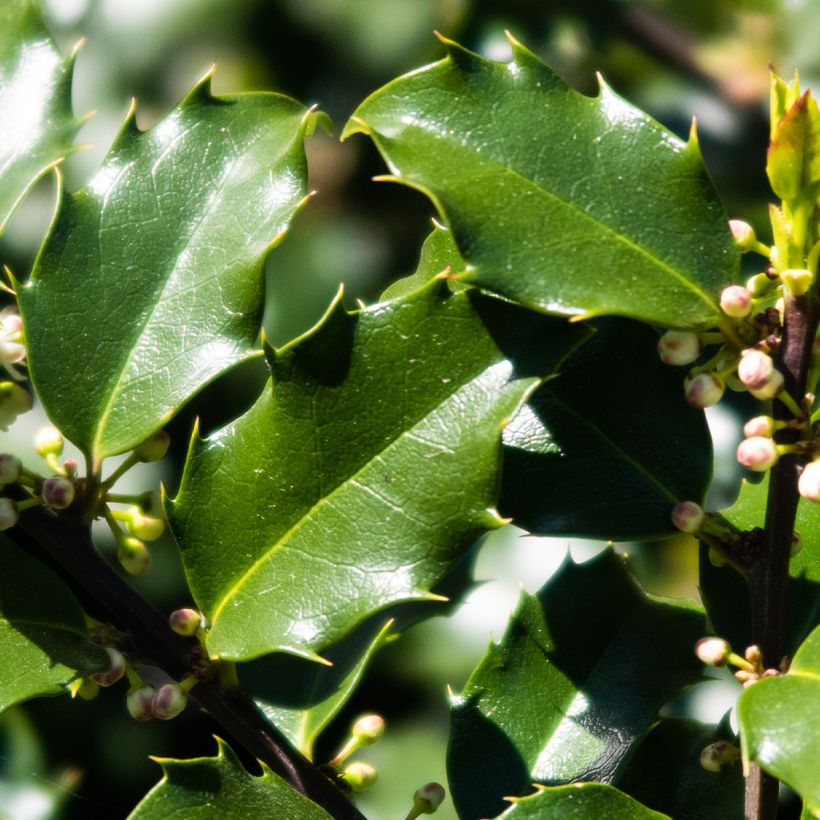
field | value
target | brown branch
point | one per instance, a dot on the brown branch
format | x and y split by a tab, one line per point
67	545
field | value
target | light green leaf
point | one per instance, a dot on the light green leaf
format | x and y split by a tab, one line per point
220	789
580	801
300	697
566	203
36	121
606	449
780	723
150	282
364	471
726	594
43	638
574	684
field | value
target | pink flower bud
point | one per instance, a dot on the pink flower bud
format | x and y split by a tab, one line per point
134	557
144	527
140	702
49	441
771	389
808	485
679	347
736	301
688	516
169	701
759	426
368	729
428	798
58	492
360	776
185	621
10	468
757	453
743	234
153	448
9	514
755	369
713	651
703	390
115	671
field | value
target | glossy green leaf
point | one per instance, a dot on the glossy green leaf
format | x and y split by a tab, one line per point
364	471
150	282
606	449
43	638
301	697
780	723
726	595
36	121
220	789
566	203
665	773
580	801
574	684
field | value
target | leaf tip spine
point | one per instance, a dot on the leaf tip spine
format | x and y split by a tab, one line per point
459	55
75	50
355	125
314	118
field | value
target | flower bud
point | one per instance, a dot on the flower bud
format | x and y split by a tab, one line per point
9	514
115	671
757	453
736	301
688	516
703	390
743	234
49	441
86	689
57	492
808	485
14	401
185	621
169	701
798	281
679	347
755	368
771	389
140	702
134	556
718	756
360	776
760	285
428	798
143	527
368	729
759	426
153	448
10	468
713	651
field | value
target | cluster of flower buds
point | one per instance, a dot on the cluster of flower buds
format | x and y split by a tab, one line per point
750	669
365	731
12	342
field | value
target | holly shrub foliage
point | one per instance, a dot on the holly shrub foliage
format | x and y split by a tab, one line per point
576	307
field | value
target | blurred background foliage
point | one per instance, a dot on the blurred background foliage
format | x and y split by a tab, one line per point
703	57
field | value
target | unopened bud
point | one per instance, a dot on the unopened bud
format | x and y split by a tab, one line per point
428	798
771	389
10	468
718	756
153	448
85	689
14	401
140	702
169	701
360	776
57	492
797	281
134	557
49	441
115	671
808	484
713	651
144	527
368	729
760	285
185	621
688	516
743	234
704	390
755	368
9	514
736	301
759	426
754	655
679	347
757	453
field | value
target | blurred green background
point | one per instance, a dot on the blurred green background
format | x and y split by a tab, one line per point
675	59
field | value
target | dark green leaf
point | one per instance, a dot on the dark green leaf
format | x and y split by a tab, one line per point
43	638
580	801
363	473
150	282
220	789
568	204
606	449
577	680
35	103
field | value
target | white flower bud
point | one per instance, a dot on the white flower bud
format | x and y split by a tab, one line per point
679	347
759	426
14	401
185	621
808	485
169	701
140	702
153	448
57	492
757	453
143	527
115	671
713	651
9	514
360	776
718	756
49	441
703	390
743	234
771	389
755	369
368	729
10	468
134	557
688	516
736	301
11	325
428	798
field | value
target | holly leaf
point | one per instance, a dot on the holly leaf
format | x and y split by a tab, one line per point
574	684
36	120
43	636
301	698
219	788
780	724
608	447
726	595
580	801
568	204
365	470
150	282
